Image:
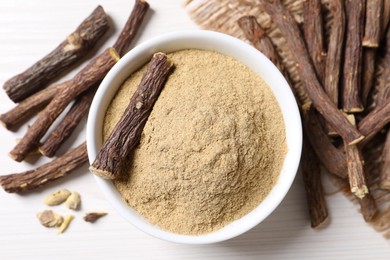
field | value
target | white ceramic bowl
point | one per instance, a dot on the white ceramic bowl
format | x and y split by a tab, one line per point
226	45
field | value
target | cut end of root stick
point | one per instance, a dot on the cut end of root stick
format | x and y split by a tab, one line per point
356	141
44	153
162	55
2	123
384	184
114	54
353	110
320	225
370	44
360	192
101	173
332	133
14	157
306	106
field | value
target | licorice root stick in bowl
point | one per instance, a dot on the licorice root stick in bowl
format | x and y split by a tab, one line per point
126	134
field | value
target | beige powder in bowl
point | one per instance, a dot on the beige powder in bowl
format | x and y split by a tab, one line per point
211	150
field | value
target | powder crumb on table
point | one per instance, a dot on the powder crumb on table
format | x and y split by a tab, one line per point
211	150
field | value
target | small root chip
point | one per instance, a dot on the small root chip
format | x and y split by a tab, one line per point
73	201
93	216
57	197
48	218
65	224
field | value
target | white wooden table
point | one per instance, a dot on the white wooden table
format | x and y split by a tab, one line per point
29	30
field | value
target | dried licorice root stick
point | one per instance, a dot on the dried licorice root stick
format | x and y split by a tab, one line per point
357	181
385	15
384	91
373	25
127	132
355	171
383	79
321	101
256	35
131	27
368	73
332	158
28	107
384	182
58	168
311	172
67	53
353	56
314	35
375	121
334	55
68	123
335	50
383	97
88	76
369	55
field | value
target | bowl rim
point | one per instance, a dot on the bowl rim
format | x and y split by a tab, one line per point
214	41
